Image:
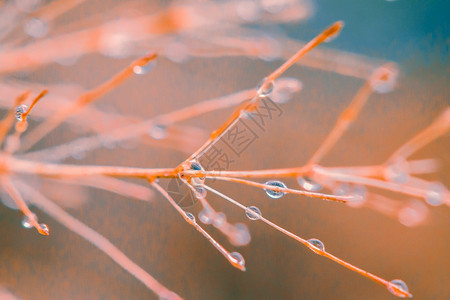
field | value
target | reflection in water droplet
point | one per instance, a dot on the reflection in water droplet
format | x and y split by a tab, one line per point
238	257
399	284
253	213
26	222
272	193
20	110
436	194
36	28
264	87
158	132
317	244
308	184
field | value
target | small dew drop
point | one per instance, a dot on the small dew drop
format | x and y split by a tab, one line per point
205	216
190	216
196	166
308	184
158	132
436	194
142	70
26	222
397	172
400	284
272	193
219	220
200	191
20	110
413	214
240	236
177	52
253	213
239	258
36	28
359	196
285	88
264	88
317	244
44	228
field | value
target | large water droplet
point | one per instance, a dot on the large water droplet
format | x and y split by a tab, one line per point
190	216
272	193
158	132
400	284
44	228
205	216
142	70
20	110
308	184
36	28
436	194
219	220
241	235
265	87
239	258
413	214
200	191
26	221
317	244
285	88
397	172
253	213
196	166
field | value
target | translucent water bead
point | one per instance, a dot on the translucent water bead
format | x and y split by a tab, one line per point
206	216
273	193
36	28
264	87
239	258
190	216
142	70
436	194
253	213
317	244
308	184
285	88
196	166
200	192
240	236
44	228
26	221
158	132
20	110
400	284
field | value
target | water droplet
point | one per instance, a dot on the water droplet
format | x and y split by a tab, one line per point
317	244
36	28
384	79
400	284
436	194
190	216
158	132
219	220
26	221
253	213
397	172
200	191
241	235
285	88
239	258
205	216
142	70
308	184
359	196
44	228
413	214
20	110
342	189
196	166
264	87
272	193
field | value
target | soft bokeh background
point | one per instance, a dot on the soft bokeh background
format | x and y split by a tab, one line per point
413	33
